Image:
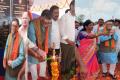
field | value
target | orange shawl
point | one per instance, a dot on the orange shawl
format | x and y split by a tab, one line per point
13	47
110	42
39	34
30	15
46	39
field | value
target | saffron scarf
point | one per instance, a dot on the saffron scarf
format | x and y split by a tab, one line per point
46	39
30	15
39	34
109	43
13	47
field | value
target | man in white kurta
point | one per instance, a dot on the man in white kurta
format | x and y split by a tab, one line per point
78	28
98	29
54	35
29	45
99	25
67	28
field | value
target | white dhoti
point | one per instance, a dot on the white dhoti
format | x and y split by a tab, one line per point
111	70
33	70
42	72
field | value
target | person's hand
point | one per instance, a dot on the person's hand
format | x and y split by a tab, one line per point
4	63
112	32
103	33
91	36
50	49
44	56
70	42
100	33
18	78
41	56
10	62
109	33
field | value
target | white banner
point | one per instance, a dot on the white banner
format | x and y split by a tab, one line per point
39	5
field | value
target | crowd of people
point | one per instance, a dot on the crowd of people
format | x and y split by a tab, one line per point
98	44
84	45
33	42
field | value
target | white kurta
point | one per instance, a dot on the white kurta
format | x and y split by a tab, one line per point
32	67
95	31
55	35
27	44
95	28
67	27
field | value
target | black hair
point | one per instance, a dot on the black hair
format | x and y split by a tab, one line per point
15	19
53	8
111	20
116	20
86	23
46	14
72	3
101	19
67	10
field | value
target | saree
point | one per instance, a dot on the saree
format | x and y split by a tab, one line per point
89	66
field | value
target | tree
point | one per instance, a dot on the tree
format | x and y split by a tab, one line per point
80	18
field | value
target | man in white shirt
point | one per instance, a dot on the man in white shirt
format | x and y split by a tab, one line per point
54	37
67	31
116	24
78	28
30	49
97	29
99	26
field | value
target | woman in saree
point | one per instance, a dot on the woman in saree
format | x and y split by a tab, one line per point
89	67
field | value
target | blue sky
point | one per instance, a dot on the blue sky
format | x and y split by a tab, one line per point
95	9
